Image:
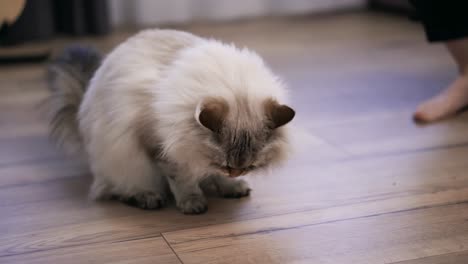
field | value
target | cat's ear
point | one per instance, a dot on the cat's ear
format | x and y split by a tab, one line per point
211	113
278	115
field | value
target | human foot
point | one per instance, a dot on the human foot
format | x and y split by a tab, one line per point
446	103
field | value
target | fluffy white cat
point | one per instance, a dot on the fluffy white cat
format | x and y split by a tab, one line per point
169	112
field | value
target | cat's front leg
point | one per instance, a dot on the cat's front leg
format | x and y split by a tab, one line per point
187	193
229	187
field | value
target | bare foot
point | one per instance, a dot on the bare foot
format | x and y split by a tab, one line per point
454	97
446	103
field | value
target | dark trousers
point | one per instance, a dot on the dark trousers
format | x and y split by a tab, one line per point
443	20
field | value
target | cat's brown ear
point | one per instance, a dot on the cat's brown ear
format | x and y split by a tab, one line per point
211	113
278	115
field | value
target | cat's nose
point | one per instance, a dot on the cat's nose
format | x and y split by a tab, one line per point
235	172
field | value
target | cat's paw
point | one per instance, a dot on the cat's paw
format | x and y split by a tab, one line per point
236	189
193	204
145	200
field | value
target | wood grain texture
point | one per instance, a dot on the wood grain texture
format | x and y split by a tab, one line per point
380	238
449	258
369	186
150	250
393	183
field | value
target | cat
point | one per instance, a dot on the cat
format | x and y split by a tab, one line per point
167	113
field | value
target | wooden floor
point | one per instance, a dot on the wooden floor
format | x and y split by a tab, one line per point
372	187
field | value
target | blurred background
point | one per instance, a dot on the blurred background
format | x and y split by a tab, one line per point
24	22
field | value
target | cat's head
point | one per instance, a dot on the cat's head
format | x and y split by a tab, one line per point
243	138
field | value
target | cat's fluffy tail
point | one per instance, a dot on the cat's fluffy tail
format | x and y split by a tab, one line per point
68	76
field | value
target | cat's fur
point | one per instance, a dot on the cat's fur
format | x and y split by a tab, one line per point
167	110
